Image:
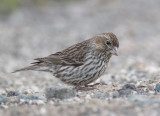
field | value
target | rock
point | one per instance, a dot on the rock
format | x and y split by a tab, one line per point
141	84
22	96
3	99
36	96
33	97
115	94
12	93
27	91
157	87
129	86
124	92
60	93
39	102
88	97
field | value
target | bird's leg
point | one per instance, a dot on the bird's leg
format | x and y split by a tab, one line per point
93	85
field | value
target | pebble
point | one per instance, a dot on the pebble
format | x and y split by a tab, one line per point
12	93
141	84
88	97
22	97
60	93
124	92
115	94
27	91
129	86
157	87
3	99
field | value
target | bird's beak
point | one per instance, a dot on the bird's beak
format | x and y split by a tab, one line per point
114	51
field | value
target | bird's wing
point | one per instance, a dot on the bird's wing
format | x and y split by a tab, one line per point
74	55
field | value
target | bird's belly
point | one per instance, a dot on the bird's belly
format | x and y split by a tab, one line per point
93	72
81	75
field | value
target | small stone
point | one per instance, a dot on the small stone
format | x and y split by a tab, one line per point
129	86
60	93
3	99
88	97
157	87
22	97
39	102
77	99
124	92
36	96
115	94
27	91
151	87
7	90
12	93
140	84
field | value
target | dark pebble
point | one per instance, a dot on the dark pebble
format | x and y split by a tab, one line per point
157	87
115	94
124	92
12	93
129	86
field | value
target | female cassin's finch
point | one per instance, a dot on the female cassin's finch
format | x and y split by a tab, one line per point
81	63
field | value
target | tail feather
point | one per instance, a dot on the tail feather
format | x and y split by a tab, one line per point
34	68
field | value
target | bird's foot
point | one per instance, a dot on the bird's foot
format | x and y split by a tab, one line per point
87	87
93	85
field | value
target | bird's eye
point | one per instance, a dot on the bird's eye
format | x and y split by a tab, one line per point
108	42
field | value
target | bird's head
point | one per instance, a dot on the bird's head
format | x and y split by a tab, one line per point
107	42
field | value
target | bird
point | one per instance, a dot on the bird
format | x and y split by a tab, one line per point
80	64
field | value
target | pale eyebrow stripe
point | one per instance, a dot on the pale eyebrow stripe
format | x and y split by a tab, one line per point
106	36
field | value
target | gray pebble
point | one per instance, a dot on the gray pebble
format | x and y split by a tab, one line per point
157	87
22	96
34	96
129	86
3	99
124	92
12	93
60	93
115	94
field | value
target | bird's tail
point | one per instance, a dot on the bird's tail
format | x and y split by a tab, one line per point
34	68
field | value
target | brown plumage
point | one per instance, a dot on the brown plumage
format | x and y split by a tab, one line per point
81	63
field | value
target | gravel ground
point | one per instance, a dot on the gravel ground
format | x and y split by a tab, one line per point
129	87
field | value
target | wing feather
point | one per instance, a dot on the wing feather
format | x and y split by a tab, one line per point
74	55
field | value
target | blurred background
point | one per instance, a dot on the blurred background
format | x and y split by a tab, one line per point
37	28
